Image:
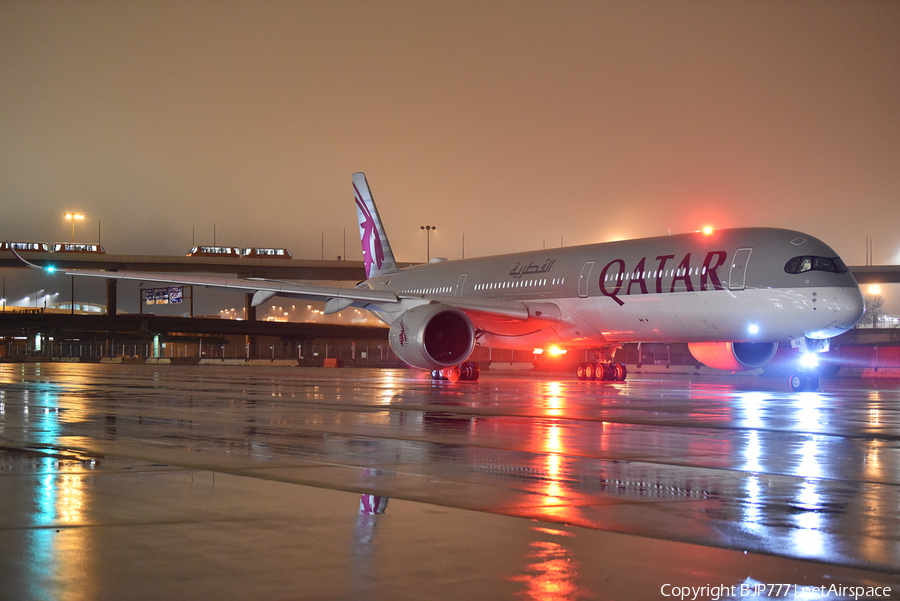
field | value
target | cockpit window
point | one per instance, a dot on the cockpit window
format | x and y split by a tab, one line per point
802	264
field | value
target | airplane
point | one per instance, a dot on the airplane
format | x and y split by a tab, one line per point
733	295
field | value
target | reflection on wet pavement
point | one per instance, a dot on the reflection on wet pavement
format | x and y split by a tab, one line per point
729	463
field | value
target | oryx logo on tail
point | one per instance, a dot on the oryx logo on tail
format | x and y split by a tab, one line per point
377	254
368	234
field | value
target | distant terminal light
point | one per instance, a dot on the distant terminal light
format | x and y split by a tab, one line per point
707	230
78	247
266	253
41	247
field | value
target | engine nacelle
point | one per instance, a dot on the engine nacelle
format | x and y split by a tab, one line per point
432	336
733	356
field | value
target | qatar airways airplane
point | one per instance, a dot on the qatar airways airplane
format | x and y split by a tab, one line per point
733	295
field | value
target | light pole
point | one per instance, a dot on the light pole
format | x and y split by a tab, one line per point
428	229
73	217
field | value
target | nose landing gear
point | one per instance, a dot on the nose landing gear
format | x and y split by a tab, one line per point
806	374
804	382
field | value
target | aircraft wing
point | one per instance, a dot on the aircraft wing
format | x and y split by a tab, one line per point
498	316
268	288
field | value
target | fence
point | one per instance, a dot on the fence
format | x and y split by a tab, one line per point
345	352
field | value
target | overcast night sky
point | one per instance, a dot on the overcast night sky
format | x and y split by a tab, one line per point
513	123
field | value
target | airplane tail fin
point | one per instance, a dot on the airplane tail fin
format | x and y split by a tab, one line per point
376	249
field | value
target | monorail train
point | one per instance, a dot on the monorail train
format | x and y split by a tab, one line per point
78	247
41	247
215	251
267	253
235	252
59	247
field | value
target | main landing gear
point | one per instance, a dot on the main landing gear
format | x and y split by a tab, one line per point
467	372
606	371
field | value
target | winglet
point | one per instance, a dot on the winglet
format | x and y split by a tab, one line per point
377	253
28	263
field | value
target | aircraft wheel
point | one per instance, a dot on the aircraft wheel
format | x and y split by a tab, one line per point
579	371
621	372
606	372
804	382
800	382
590	371
469	371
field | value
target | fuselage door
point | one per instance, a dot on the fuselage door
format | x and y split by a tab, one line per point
737	278
584	279
459	285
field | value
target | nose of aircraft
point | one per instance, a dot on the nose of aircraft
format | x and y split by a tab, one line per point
847	308
856	306
843	308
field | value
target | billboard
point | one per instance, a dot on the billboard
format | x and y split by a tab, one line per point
163	296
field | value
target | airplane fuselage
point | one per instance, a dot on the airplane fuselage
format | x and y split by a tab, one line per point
728	285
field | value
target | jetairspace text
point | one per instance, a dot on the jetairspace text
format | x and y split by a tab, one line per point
777	591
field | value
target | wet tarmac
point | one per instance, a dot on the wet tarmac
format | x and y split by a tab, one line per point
208	482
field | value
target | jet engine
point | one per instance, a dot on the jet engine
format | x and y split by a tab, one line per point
733	356
432	336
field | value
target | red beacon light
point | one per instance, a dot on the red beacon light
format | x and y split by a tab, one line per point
554	351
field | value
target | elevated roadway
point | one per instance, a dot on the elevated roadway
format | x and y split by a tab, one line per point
876	274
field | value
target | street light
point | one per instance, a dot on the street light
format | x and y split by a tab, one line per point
74	217
428	229
874	302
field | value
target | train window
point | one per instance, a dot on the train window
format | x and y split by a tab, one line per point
211	251
278	253
77	247
804	264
